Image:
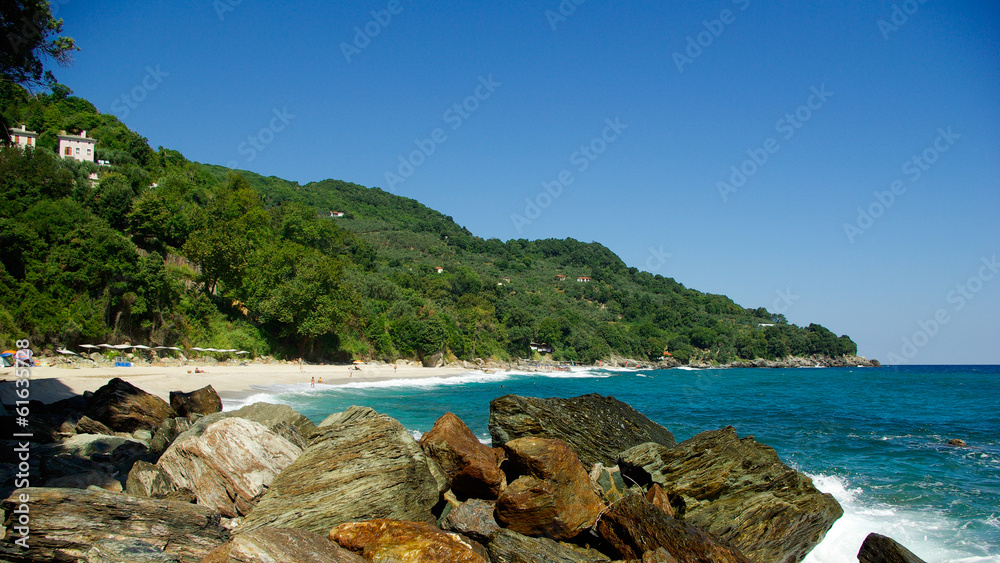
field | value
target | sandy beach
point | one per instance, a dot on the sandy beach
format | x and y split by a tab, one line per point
50	384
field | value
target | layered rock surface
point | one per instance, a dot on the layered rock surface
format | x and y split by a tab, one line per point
200	401
389	541
597	428
506	546
472	467
123	407
740	491
279	545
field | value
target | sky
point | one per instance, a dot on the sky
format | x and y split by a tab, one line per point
836	162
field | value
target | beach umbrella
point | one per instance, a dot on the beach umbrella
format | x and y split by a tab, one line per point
105	346
199	349
87	346
65	351
141	347
7	353
358	362
122	346
242	352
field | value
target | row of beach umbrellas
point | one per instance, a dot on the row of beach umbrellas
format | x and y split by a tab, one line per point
142	347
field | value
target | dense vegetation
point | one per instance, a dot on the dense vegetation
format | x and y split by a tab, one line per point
161	250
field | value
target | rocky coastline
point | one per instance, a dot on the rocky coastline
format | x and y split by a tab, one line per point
123	476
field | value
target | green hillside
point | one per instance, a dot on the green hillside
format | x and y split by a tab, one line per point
164	251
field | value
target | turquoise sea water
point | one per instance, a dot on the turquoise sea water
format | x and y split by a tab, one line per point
874	438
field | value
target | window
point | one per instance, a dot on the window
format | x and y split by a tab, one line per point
17	139
88	152
68	151
77	150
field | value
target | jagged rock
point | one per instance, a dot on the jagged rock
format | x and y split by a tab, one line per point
634	527
148	480
596	428
283	420
279	545
75	520
359	465
506	546
551	493
87	425
123	407
396	540
881	549
471	466
740	491
131	550
165	434
659	498
228	466
609	481
472	518
201	401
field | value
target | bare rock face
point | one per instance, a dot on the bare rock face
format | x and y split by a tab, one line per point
661	500
201	401
87	425
551	493
130	550
281	544
740	491
359	465
881	549
123	407
596	428
473	518
395	540
229	466
67	523
471	466
634	528
506	546
609	481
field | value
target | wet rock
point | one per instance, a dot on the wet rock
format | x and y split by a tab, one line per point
634	528
596	428
396	540
551	493
76	520
881	549
506	546
471	466
957	442
123	407
359	465
740	491
473	518
267	544
201	401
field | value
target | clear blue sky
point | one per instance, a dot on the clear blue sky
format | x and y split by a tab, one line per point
864	99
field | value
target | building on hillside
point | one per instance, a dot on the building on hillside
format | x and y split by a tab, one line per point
336	214
80	147
583	279
23	138
541	348
439	269
560	277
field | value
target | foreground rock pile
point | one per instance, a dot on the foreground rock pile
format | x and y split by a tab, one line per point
128	478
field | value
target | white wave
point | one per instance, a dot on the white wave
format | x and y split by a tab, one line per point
925	533
422	382
268	396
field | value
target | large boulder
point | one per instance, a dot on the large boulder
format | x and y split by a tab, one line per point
551	493
881	549
67	523
471	466
123	407
82	460
634	527
740	491
200	401
596	428
228	466
391	541
473	518
279	545
506	546
359	465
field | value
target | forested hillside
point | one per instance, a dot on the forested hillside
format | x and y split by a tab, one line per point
163	251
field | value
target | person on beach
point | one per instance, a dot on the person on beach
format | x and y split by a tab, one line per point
312	382
320	380
394	366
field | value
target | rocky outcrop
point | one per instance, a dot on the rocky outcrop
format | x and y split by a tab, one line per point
68	523
359	465
596	428
660	499
200	401
473	518
82	460
740	491
395	540
881	549
123	407
551	493
608	481
634	527
816	360
472	467
228	466
506	546
279	545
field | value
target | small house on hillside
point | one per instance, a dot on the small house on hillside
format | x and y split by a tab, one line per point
583	279
560	277
541	348
336	214
439	269
80	147
23	138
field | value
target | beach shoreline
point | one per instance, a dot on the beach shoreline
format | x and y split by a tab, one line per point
231	382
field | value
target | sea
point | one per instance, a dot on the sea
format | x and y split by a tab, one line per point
874	438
